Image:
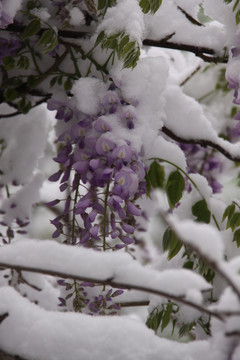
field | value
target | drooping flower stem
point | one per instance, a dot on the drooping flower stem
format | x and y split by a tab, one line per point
75	201
105	217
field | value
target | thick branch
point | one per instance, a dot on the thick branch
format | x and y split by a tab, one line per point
201	142
199	51
115	284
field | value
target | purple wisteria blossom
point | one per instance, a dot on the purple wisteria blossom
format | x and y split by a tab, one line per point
8	47
202	161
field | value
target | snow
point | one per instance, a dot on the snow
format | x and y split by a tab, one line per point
19	205
153	92
203	238
165	150
22	133
213	34
185	117
88	93
142	88
125	16
11	7
76	16
37	334
41	13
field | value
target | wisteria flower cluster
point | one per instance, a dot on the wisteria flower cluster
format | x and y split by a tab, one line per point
108	169
104	176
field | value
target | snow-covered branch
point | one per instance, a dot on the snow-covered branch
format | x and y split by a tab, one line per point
202	142
115	270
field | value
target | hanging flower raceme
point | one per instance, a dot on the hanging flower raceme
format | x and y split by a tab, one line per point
106	172
104	176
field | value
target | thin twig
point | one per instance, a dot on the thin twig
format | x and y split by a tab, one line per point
189	17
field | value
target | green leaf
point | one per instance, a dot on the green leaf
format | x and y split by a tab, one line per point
154	319
127	49
185	329
69	296
175	250
23	62
174	188
131	60
32	29
200	210
47	37
236	237
68	84
99	39
188	265
237	17
150	5
8	62
11	94
24	106
169	238
229	212
171	243
201	15
122	43
32	81
156	175
104	4
101	4
235	5
235	221
166	316
53	81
